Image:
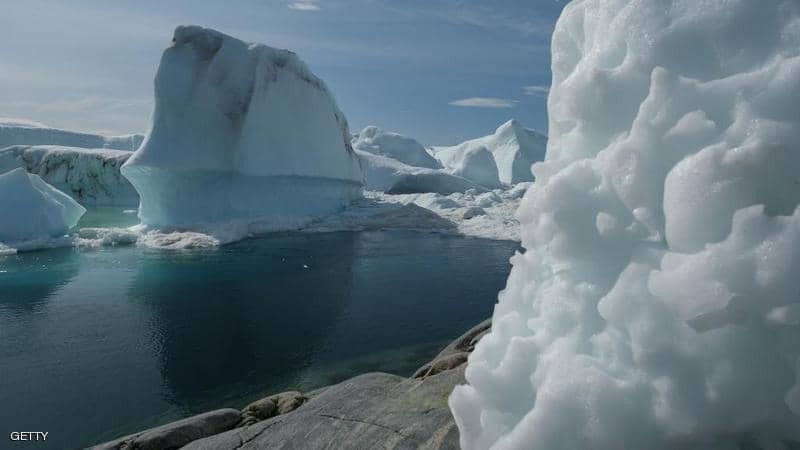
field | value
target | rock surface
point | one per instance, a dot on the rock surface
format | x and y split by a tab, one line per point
370	411
175	435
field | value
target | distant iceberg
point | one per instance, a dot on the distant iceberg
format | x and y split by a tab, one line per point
514	148
396	146
32	210
241	133
26	132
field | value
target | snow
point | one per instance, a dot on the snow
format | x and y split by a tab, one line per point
475	163
90	176
385	174
241	133
514	148
33	211
26	132
396	146
656	303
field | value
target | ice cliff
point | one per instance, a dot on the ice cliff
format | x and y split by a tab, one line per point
91	176
241	132
21	132
656	305
31	209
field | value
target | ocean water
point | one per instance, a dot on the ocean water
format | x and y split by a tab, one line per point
98	343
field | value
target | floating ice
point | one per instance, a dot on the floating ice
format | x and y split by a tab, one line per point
396	146
25	132
32	210
91	176
475	163
385	174
657	303
241	132
514	147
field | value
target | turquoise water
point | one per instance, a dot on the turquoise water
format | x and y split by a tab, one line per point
97	343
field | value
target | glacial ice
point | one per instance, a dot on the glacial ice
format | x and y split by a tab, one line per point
25	132
241	133
385	174
32	210
396	146
514	147
475	163
656	305
90	176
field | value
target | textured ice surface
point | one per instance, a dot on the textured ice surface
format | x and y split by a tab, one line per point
241	133
396	146
33	211
656	305
514	147
24	132
91	176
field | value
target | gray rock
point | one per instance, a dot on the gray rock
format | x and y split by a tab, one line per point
370	411
455	353
271	406
177	434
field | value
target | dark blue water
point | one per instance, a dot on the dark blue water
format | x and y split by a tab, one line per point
94	344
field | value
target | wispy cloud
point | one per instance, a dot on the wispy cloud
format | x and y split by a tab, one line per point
536	90
304	6
484	102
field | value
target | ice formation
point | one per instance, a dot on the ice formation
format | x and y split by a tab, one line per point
241	133
385	174
33	210
91	176
396	146
24	132
514	147
657	303
475	163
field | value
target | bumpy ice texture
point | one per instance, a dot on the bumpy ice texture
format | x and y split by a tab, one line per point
656	305
241	133
31	209
91	176
514	147
396	146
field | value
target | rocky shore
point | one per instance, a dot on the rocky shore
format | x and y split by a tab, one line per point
374	410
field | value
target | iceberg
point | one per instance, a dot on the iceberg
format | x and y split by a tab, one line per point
33	210
396	146
475	163
90	176
24	132
241	133
514	148
385	174
656	305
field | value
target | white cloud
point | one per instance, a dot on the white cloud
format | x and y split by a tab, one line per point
484	102
304	6
536	90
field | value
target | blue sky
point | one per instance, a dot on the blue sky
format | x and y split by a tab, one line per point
438	70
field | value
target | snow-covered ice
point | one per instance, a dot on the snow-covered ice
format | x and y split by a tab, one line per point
241	133
514	147
26	132
385	174
33	212
475	163
396	146
656	305
91	176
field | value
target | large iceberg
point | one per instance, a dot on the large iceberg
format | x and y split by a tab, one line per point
24	132
396	146
657	303
474	163
241	133
33	210
91	176
514	147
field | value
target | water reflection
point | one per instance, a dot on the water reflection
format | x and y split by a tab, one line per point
28	279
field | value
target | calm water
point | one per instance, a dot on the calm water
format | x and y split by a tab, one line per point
94	344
